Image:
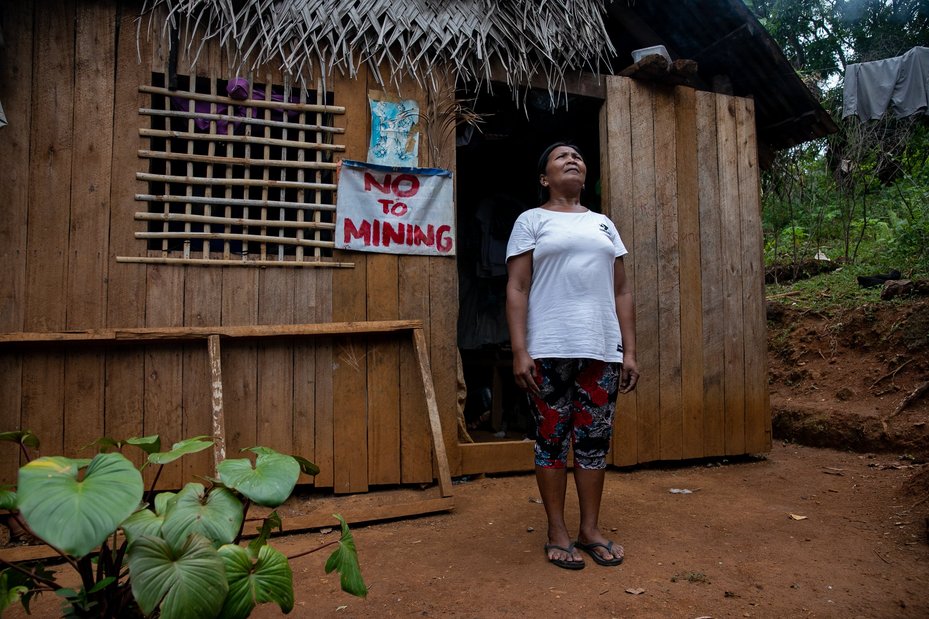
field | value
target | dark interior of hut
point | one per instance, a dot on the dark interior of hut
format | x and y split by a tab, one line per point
496	181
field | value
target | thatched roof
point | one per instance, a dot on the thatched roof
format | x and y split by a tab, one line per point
525	38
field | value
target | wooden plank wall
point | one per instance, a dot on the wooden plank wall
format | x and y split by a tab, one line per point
353	405
682	184
16	95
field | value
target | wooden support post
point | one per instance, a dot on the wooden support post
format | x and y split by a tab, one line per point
216	400
438	443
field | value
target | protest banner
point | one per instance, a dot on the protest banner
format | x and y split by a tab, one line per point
395	210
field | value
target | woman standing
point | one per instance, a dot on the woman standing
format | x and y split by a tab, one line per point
572	330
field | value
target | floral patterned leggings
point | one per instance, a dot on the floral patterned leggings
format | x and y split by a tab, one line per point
577	398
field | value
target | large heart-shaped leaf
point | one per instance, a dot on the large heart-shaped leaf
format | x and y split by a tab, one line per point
178	450
269	483
269	579
345	561
75	515
217	515
187	582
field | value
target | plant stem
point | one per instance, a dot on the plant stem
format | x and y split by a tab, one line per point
54	586
303	554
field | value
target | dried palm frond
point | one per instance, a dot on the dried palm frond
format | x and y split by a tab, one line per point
526	38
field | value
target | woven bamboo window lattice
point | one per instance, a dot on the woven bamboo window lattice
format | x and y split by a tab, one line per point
239	174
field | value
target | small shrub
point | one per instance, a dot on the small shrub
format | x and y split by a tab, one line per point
167	554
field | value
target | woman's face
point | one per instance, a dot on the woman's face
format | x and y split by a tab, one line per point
565	165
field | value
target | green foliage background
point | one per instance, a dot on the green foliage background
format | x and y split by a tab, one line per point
860	196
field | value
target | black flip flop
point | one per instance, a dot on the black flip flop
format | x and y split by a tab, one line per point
589	549
564	563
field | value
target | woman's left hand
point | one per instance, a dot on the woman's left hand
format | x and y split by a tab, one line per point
629	376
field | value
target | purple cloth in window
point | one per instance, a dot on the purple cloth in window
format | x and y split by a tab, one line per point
238	89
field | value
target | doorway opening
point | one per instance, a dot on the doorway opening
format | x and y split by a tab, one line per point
496	181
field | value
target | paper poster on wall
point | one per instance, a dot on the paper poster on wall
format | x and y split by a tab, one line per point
395	210
394	131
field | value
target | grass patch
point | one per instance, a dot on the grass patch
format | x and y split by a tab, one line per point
827	292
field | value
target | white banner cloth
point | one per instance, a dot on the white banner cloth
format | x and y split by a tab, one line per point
395	210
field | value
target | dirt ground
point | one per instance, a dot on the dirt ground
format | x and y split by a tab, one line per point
802	531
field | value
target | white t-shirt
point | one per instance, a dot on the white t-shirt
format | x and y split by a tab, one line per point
572	307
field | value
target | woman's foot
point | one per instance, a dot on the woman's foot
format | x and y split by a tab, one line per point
566	557
604	552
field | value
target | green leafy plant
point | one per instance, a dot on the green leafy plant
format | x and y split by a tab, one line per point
161	554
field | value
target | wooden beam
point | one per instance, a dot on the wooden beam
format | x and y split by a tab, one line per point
216	400
195	333
435	424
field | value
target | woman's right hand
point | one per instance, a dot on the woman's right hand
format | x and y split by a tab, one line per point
524	372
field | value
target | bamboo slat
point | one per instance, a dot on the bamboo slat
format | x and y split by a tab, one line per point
194	136
245	120
249	102
265	239
243	262
236	161
231	182
263	203
182	217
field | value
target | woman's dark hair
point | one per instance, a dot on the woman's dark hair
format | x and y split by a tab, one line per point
543	163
